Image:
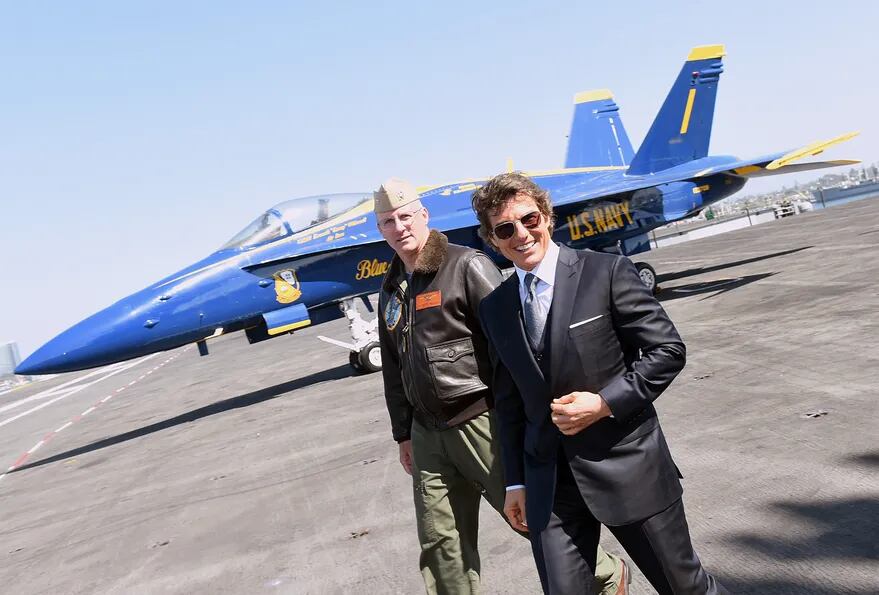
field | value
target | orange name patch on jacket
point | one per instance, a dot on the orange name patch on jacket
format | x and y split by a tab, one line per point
431	299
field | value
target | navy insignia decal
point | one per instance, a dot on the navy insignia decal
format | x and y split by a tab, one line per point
393	312
287	288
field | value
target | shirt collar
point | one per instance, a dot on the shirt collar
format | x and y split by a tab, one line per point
545	270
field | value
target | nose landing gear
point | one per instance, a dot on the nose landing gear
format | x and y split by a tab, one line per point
364	353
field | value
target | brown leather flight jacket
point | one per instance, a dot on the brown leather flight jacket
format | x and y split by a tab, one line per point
435	360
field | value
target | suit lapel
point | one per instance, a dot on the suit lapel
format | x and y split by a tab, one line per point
564	294
512	332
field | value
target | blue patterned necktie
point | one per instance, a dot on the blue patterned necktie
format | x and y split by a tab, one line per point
534	319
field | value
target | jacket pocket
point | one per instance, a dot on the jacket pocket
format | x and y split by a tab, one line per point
596	344
453	369
594	326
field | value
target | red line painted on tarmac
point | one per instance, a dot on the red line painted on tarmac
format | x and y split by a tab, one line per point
50	435
20	460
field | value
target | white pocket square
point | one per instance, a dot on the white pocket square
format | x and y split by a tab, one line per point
576	324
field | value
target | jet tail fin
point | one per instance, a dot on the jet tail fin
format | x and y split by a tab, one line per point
597	137
682	128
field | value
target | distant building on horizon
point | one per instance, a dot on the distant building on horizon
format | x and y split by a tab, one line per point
9	358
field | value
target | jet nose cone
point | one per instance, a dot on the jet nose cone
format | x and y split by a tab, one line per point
44	360
104	338
74	349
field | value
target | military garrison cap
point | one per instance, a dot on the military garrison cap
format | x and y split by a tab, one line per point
393	194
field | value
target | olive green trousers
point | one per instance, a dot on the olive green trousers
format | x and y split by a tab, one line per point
452	469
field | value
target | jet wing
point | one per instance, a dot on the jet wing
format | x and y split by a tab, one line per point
759	170
785	162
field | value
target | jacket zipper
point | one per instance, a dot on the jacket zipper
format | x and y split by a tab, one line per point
407	349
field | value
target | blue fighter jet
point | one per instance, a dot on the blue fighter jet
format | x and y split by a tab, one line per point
309	260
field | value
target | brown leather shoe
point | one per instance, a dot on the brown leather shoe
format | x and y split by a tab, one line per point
625	579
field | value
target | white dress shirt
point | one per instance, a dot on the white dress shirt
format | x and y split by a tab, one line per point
545	273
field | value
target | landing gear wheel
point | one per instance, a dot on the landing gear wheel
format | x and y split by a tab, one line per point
648	275
370	358
354	360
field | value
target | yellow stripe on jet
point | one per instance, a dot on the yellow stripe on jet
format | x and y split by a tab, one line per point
596	95
810	150
744	171
473	184
706	52
288	327
688	111
574	170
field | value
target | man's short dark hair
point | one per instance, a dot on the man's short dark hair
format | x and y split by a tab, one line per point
501	189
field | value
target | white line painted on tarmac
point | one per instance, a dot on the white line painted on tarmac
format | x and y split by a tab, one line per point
50	392
41	406
72	391
50	402
63	388
21	460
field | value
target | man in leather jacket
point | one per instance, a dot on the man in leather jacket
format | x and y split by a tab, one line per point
436	373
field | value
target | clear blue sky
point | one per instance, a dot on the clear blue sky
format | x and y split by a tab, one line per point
140	136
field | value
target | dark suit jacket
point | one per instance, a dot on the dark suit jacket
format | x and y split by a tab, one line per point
628	352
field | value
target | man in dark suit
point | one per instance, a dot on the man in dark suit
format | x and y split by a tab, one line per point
580	350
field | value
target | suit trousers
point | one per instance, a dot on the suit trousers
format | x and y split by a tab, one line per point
452	469
659	545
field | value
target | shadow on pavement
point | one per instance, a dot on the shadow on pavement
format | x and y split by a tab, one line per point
867	458
826	533
716	287
660	278
246	400
779	587
842	529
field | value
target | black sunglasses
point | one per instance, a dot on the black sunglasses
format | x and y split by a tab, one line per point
505	230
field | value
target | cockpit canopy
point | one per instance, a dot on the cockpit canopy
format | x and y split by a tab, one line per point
296	215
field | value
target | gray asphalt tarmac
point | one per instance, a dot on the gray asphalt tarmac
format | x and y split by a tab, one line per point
270	468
